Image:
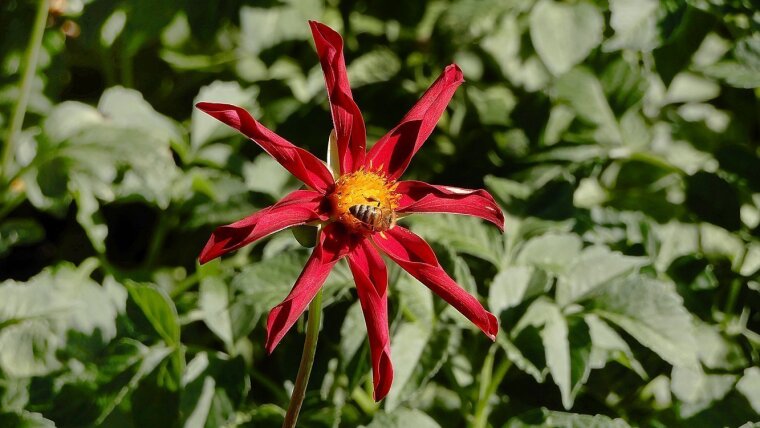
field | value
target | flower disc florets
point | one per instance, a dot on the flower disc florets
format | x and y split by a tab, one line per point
366	188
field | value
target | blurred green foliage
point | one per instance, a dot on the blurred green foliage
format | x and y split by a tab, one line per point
621	137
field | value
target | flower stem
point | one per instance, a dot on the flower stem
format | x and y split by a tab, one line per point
489	383
29	68
307	360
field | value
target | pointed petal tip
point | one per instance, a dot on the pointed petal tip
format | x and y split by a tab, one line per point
382	384
493	326
454	73
210	250
500	224
318	27
272	338
204	106
269	347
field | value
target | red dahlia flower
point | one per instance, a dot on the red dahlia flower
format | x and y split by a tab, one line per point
357	207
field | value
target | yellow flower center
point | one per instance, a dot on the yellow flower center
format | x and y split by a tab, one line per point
365	201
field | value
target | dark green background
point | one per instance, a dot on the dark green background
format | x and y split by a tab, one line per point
620	137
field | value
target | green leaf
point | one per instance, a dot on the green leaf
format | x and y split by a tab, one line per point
596	266
653	313
503	44
402	417
521	360
575	420
353	333
204	128
581	89
214	303
159	309
674	55
734	74
698	389
749	385
212	389
608	345
88	212
718	351
514	285
126	368
691	88
69	118
415	298
564	34
462	274
25	420
127	108
266	283
555	340
266	175
675	239
567	346
493	104
29	349
554	252
38	318
376	66
635	25
408	344
263	28
19	231
463	234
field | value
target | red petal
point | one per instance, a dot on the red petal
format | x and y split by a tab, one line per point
334	243
297	208
420	197
304	165
415	256
371	279
393	152
347	118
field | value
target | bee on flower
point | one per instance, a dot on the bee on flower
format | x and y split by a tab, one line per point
357	204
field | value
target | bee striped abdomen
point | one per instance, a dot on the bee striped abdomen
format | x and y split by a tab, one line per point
365	213
375	219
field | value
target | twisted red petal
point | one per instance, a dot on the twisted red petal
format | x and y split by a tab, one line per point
302	164
334	243
394	151
297	208
347	118
371	279
415	256
420	197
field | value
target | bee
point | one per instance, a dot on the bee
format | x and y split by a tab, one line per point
375	218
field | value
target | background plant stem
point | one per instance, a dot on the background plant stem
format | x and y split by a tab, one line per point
489	383
28	67
307	361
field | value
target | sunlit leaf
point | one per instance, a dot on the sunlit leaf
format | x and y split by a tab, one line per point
159	310
652	312
403	417
564	34
594	267
38	317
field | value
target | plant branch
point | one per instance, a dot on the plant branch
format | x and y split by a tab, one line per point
307	361
489	383
29	68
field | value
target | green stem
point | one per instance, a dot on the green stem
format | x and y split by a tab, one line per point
127	72
29	67
736	287
489	383
10	205
307	361
159	234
